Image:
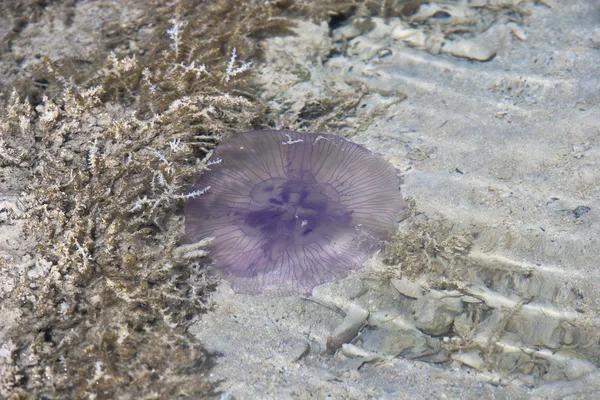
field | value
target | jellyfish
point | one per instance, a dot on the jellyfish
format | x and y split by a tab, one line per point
292	210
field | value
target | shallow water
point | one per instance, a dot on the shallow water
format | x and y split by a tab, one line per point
489	110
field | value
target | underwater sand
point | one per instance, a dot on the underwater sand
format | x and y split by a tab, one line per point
505	151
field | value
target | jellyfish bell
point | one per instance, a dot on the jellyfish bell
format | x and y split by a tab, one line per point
292	210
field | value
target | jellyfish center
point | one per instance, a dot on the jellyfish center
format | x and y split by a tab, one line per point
290	211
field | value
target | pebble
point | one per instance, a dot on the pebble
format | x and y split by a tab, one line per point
580	211
347	330
391	342
471	359
412	37
434	315
407	288
482	47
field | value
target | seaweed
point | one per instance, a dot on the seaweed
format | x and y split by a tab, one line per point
110	149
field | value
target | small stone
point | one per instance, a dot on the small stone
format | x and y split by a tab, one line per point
346	32
407	288
347	330
580	211
507	361
434	315
568	364
390	342
463	325
350	350
572	334
427	349
471	359
412	37
471	299
294	349
382	316
401	31
481	48
446	14
518	31
385	52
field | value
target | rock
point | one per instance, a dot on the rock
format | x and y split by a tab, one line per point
509	360
482	47
471	359
347	330
428	349
380	317
412	37
463	325
293	349
407	288
346	32
444	14
565	364
391	342
434	313
517	30
350	350
580	211
471	300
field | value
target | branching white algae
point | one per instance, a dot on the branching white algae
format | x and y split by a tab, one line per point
105	159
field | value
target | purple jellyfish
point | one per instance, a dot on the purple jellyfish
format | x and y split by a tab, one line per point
291	209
